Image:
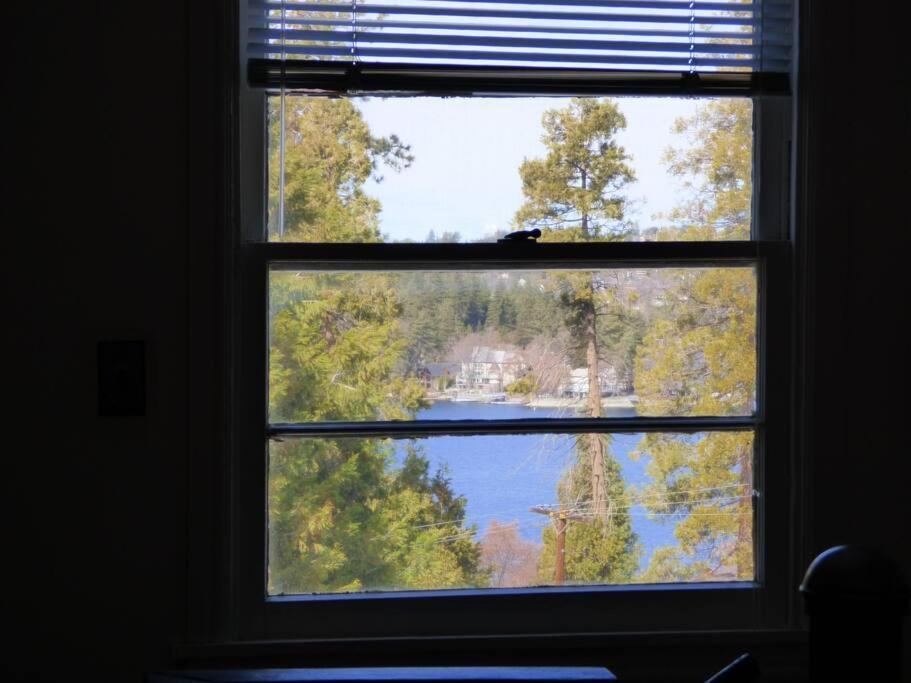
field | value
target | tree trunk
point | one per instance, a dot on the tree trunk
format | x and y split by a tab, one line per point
585	215
596	444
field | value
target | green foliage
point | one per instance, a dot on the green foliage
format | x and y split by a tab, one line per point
341	348
669	565
430	546
598	549
523	386
341	517
701	360
716	166
704	486
621	330
575	194
342	520
325	533
329	155
576	187
440	308
538	312
502	314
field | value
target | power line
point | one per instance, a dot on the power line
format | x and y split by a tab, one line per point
586	506
653	499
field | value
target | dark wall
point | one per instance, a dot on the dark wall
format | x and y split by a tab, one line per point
858	132
99	141
96	233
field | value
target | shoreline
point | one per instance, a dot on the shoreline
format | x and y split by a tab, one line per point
617	402
628	401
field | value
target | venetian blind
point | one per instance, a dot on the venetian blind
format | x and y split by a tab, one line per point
307	43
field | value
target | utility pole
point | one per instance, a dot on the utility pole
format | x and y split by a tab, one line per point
559	517
560	569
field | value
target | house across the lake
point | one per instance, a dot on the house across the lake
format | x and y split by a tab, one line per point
439	376
490	370
612	382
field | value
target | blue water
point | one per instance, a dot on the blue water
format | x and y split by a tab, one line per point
502	477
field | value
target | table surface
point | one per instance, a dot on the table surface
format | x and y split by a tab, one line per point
457	674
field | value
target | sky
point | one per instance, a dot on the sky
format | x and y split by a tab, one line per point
468	151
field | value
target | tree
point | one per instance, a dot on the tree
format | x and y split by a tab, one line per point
701	360
538	311
716	167
501	311
341	516
599	548
432	316
575	194
429	542
510	561
334	354
329	154
576	188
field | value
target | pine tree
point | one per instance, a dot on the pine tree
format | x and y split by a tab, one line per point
701	360
329	154
598	548
574	194
501	311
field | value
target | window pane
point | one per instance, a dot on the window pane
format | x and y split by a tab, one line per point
491	511
428	169
357	346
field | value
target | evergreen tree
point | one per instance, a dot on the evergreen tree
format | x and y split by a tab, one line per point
341	517
501	311
576	188
701	360
598	549
476	300
716	166
329	154
574	194
538	311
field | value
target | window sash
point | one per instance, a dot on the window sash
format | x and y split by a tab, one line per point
520	256
391	80
763	602
766	602
265	257
553	425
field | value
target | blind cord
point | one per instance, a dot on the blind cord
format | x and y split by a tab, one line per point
692	36
281	136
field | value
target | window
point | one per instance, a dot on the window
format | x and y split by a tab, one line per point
435	417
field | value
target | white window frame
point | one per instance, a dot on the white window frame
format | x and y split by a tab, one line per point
767	603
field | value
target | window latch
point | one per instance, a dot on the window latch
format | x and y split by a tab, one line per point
521	236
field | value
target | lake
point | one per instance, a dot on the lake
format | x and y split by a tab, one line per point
502	477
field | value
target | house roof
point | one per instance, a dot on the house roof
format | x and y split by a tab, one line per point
440	369
485	354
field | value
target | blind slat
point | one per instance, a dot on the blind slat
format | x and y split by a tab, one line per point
260	33
769	37
666	5
274	15
508	41
641	36
404	55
